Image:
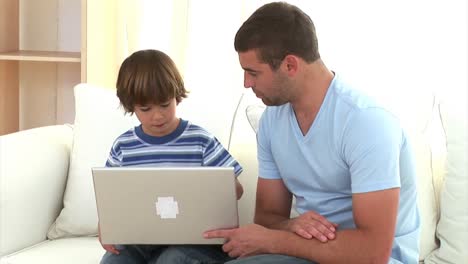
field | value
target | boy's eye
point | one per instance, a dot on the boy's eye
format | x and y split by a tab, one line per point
145	109
165	105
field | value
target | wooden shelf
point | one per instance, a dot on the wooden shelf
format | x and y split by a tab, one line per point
52	56
41	48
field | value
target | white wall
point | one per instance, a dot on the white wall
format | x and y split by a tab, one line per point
396	50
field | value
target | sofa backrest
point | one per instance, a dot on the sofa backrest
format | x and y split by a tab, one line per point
33	168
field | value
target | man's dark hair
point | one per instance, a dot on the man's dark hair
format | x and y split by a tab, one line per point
276	30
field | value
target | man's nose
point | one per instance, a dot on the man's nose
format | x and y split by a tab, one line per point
247	81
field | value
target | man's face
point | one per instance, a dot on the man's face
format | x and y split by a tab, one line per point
272	87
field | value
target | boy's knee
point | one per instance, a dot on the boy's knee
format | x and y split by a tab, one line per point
110	258
125	256
191	254
173	254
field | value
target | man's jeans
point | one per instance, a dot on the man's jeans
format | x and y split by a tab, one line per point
188	254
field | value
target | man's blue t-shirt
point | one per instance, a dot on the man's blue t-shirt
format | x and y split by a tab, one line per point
353	146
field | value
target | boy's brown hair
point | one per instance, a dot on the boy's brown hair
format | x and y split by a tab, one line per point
149	77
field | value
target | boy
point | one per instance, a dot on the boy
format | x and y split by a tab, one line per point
150	86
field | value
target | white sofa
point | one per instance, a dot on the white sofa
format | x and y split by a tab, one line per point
47	210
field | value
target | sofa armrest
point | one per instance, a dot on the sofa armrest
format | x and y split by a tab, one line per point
33	174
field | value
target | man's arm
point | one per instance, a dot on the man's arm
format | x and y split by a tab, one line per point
273	203
273	210
371	242
375	216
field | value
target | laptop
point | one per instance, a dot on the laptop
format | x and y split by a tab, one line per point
164	205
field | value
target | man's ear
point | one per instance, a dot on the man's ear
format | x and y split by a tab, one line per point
291	64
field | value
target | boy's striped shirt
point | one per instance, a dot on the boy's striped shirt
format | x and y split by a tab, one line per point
188	145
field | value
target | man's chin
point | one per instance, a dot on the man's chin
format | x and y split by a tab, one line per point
272	103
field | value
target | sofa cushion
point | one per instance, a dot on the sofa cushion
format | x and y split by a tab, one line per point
98	122
83	250
254	112
428	144
452	228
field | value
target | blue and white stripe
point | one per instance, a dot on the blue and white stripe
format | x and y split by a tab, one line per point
188	145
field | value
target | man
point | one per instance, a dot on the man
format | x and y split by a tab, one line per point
345	159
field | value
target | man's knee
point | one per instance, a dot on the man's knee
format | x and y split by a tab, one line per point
270	259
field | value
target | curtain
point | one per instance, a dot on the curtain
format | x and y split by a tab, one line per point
400	51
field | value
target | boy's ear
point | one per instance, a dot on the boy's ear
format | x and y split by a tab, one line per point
291	64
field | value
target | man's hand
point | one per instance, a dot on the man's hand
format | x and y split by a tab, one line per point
244	241
312	225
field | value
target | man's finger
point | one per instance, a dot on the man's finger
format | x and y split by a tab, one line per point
227	247
321	219
317	231
233	253
304	234
221	233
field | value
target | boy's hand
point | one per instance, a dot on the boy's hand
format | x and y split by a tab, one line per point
312	225
111	249
239	189
108	248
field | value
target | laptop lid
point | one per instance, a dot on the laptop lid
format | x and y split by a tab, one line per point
164	205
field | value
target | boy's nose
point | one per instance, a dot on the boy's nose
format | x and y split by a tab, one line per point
157	115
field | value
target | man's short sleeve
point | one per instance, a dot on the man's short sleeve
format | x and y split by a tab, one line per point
373	141
266	165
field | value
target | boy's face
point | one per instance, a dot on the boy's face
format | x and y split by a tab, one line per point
158	120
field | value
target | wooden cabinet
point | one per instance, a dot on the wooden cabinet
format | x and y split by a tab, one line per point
40	61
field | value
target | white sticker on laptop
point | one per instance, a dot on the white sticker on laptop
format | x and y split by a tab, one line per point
167	207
